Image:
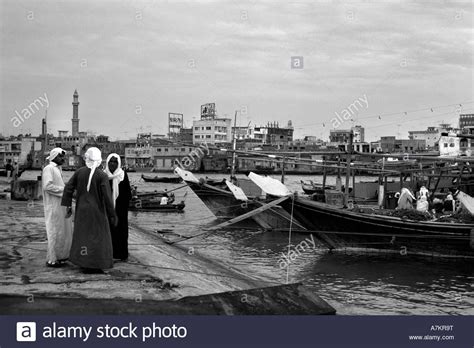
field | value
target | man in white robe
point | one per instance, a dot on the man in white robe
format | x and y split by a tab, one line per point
58	228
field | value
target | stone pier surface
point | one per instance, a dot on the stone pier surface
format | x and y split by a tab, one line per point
157	279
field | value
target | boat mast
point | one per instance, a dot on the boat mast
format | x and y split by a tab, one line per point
348	169
283	169
234	147
43	158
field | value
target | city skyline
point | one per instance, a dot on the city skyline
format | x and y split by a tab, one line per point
134	62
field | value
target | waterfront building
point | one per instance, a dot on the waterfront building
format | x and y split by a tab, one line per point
212	130
466	144
273	134
391	144
431	135
359	134
342	136
186	135
19	150
466	120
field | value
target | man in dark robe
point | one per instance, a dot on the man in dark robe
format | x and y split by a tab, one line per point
91	242
121	195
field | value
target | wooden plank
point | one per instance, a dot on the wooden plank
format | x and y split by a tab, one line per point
249	214
285	216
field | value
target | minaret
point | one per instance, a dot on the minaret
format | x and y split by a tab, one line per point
75	114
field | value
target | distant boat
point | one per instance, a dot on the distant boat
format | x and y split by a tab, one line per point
151	201
155	205
312	187
259	169
163	179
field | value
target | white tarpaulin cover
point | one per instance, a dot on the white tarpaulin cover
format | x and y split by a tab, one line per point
269	185
186	175
237	191
466	201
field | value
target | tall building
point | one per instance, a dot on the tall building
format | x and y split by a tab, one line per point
212	130
75	114
359	134
466	120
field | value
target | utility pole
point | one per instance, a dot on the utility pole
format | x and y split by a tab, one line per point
234	147
43	158
348	169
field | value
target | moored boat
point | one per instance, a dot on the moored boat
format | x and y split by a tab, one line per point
155	205
353	228
226	205
163	179
312	187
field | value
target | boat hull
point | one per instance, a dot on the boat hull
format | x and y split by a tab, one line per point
154	206
224	205
360	230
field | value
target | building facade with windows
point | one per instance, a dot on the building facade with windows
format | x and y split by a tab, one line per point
466	120
212	131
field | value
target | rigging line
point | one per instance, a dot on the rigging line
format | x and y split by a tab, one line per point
289	238
410	120
402	112
19	237
417	110
187	271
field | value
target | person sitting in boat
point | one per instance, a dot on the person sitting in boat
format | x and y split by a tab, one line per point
449	204
422	204
423	193
438	206
164	200
171	198
406	199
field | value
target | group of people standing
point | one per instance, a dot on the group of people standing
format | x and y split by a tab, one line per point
100	232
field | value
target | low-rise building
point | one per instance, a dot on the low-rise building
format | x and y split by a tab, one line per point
431	135
391	144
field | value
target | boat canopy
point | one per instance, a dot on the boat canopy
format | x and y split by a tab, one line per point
237	191
186	175
466	201
269	185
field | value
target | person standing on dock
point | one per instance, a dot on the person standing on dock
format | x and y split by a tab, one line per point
58	227
121	196
91	242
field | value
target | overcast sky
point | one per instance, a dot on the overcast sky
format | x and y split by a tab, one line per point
133	61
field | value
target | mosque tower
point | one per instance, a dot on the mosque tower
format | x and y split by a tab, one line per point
75	114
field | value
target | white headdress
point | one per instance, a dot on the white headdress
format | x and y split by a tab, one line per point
93	159
117	176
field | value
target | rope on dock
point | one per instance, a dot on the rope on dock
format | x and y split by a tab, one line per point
194	272
289	238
